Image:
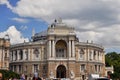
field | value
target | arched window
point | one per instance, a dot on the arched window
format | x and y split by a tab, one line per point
90	55
6	55
81	54
36	53
61	49
15	55
21	54
12	55
94	56
45	53
95	68
35	68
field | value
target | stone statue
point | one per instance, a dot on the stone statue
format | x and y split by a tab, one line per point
51	74
72	75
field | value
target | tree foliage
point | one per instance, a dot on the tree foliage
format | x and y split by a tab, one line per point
113	58
7	74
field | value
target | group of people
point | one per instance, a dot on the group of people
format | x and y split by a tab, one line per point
36	77
22	77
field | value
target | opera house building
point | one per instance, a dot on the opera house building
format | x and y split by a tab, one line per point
57	53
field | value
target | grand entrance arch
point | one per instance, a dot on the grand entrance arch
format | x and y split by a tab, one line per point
61	71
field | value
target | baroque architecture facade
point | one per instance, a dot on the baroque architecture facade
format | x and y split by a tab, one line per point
4	52
57	53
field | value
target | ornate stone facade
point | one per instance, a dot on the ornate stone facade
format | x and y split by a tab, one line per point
4	53
57	53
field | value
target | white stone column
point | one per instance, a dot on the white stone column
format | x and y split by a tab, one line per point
98	56
10	55
28	54
31	54
23	54
18	55
88	52
49	48
73	48
92	54
69	48
13	55
53	49
40	54
85	54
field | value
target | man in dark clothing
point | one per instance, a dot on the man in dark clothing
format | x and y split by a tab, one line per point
36	77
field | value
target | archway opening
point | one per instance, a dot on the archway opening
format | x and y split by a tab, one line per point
61	71
108	74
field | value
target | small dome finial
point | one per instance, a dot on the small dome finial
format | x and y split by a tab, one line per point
59	20
33	32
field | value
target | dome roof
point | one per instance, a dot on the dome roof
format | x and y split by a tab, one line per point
40	36
43	33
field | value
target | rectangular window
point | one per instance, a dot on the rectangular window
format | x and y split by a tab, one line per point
60	53
6	55
82	67
95	68
20	68
5	64
11	68
35	67
81	56
90	55
99	68
15	69
25	71
15	55
94	57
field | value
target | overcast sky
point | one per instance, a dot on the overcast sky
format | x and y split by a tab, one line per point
94	20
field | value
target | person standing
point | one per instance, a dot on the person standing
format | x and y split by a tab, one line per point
36	77
22	77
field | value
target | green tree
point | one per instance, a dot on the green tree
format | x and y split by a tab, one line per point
7	74
113	58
